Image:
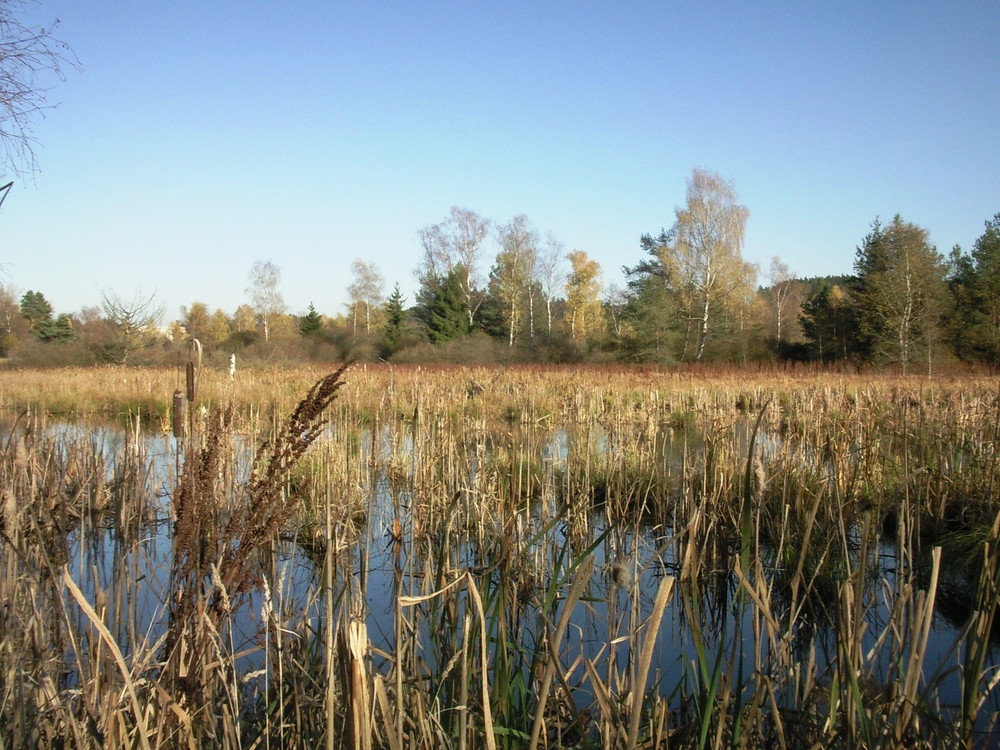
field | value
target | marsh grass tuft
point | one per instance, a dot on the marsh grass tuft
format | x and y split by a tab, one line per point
221	526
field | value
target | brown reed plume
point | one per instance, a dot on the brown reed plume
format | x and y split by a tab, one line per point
257	511
198	499
265	507
213	559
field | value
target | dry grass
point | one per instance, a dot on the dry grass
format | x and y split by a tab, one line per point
739	524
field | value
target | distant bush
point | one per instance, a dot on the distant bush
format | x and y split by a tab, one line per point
475	349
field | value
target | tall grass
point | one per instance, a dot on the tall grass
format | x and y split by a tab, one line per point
566	559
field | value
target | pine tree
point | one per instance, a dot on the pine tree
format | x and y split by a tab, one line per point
395	317
901	293
651	333
311	323
38	312
986	254
447	316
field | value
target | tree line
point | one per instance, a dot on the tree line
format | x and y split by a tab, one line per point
501	291
490	291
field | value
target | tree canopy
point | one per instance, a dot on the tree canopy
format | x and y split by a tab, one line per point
690	297
900	286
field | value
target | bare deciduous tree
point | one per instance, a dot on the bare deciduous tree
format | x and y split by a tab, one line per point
135	322
265	298
367	292
455	243
781	289
31	61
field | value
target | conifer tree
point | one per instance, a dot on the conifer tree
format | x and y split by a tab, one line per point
311	323
901	293
447	318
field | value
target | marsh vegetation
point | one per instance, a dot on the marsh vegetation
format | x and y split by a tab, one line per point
390	557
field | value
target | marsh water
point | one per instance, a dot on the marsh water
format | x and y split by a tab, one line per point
122	561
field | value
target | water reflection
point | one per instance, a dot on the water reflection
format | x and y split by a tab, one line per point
562	482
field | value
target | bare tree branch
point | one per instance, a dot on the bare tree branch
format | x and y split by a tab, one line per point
31	60
135	321
265	298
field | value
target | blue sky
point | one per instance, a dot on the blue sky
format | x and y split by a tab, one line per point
199	137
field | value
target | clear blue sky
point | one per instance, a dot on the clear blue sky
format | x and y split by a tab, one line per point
199	137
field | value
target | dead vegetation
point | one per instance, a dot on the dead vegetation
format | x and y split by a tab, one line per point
548	560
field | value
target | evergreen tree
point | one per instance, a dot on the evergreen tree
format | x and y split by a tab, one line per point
901	293
966	317
311	324
37	311
651	330
61	329
986	254
974	283
447	317
829	322
395	317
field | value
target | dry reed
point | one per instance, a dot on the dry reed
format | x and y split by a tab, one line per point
484	495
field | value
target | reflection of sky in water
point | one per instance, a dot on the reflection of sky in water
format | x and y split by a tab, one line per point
133	573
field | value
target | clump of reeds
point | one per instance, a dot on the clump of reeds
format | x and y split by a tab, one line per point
264	506
220	527
532	568
61	671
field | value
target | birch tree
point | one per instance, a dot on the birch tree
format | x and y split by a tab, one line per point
366	292
584	312
10	320
454	244
549	274
705	257
512	274
265	299
780	293
615	304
